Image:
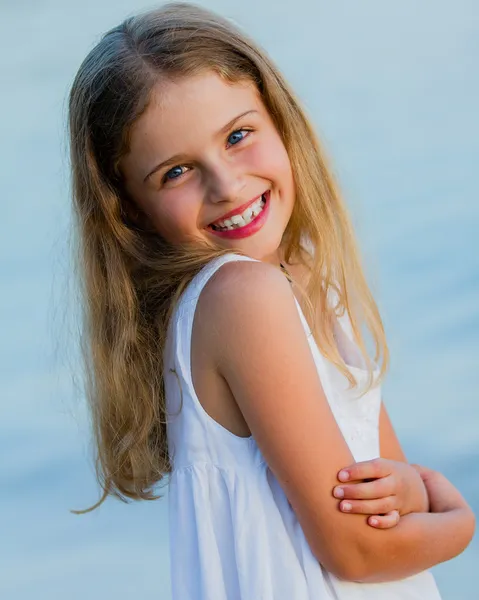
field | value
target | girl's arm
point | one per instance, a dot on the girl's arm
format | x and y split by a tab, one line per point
384	488
249	325
389	444
422	540
418	543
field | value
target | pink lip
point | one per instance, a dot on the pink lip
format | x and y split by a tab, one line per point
237	211
249	229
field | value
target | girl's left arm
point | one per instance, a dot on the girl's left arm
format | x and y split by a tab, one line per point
384	488
389	444
390	448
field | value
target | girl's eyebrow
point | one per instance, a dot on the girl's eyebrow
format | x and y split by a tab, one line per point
178	157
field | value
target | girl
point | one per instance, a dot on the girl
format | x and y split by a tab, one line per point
224	301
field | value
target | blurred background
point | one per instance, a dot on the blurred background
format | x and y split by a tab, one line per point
393	89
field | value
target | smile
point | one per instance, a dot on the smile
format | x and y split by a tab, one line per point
243	222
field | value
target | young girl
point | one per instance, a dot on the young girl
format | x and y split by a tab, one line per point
224	301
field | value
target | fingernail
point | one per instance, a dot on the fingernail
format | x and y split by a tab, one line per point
373	521
339	492
346	506
343	475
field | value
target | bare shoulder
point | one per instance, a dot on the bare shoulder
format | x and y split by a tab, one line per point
242	294
243	281
251	326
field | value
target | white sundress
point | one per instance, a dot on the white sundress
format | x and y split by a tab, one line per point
233	533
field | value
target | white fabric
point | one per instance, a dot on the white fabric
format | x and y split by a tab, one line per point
233	533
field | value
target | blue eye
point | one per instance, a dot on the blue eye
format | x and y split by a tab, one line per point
237	136
174	173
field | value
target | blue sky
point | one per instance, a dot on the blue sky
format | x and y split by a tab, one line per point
393	90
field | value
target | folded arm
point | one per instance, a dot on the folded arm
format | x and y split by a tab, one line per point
418	542
421	539
251	328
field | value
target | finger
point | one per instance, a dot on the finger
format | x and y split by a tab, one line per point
380	506
420	469
377	488
384	521
369	469
424	472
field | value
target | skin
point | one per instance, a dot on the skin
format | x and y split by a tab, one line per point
388	485
293	424
215	158
383	486
215	172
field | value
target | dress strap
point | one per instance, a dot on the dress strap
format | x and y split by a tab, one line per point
178	356
189	299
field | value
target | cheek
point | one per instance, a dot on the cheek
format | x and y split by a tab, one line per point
271	157
174	217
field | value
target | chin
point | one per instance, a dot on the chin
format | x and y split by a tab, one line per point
260	249
262	245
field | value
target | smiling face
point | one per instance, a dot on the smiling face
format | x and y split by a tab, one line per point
206	163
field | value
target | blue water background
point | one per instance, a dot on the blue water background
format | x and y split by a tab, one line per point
393	89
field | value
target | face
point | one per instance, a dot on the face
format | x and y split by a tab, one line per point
207	164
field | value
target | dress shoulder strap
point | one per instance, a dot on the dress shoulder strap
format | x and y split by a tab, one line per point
188	419
184	313
189	299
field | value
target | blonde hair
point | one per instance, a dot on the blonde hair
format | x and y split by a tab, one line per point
131	278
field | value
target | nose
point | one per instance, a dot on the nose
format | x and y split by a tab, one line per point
224	183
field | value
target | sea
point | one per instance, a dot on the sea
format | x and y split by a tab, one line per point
392	89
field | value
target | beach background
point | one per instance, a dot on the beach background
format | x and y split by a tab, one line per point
393	89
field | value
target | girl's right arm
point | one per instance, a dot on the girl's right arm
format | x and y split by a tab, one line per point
250	326
450	515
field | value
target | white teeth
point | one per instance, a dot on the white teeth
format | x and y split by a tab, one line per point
237	221
248	213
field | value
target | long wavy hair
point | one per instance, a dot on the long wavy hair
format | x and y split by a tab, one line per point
130	278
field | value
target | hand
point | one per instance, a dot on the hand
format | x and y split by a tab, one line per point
443	496
385	489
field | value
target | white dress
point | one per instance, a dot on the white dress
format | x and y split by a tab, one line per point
233	533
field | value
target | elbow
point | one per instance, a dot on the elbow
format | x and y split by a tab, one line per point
352	570
355	569
348	565
349	554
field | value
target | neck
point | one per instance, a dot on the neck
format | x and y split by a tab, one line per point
275	258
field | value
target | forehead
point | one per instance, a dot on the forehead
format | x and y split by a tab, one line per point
182	111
